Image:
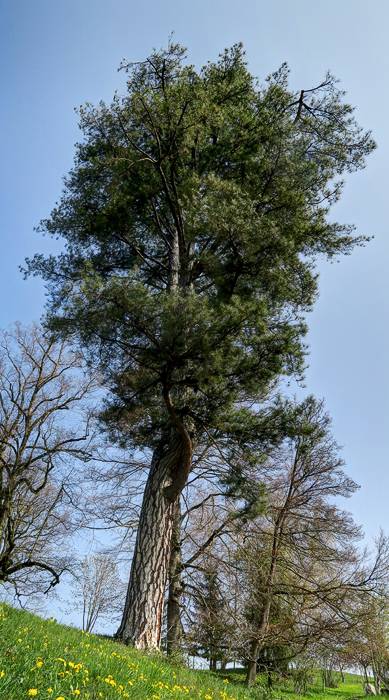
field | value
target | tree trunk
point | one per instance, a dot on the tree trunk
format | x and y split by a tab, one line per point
252	665
142	617
257	644
174	625
258	641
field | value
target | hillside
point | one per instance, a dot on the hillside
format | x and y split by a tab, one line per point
42	659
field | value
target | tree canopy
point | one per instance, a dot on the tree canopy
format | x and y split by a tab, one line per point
191	220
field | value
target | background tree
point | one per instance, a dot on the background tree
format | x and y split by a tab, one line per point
98	591
192	218
368	647
209	506
302	570
43	440
212	630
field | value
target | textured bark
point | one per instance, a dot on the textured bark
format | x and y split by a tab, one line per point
142	617
173	617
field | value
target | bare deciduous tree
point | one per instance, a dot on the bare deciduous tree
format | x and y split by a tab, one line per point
304	548
44	437
292	571
98	591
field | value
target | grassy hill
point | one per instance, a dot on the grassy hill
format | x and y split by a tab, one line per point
42	659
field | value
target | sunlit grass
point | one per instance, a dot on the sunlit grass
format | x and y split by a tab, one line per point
282	689
42	659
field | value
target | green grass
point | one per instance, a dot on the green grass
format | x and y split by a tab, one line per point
350	689
61	662
44	660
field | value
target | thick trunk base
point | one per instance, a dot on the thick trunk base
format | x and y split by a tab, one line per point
142	617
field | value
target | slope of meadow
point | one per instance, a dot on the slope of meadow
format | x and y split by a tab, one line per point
45	660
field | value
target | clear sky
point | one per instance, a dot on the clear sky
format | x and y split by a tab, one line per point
57	54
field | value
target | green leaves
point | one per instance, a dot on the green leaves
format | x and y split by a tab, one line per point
191	220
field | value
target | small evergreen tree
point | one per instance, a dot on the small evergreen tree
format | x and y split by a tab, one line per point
210	635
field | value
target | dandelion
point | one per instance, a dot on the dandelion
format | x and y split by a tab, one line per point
110	680
32	693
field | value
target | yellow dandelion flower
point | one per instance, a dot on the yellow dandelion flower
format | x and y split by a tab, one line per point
32	693
2	674
39	663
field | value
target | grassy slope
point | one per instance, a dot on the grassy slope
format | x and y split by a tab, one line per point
42	659
62	662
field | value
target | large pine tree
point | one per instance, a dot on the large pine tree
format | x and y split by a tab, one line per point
196	207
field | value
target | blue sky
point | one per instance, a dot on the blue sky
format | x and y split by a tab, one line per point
57	54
